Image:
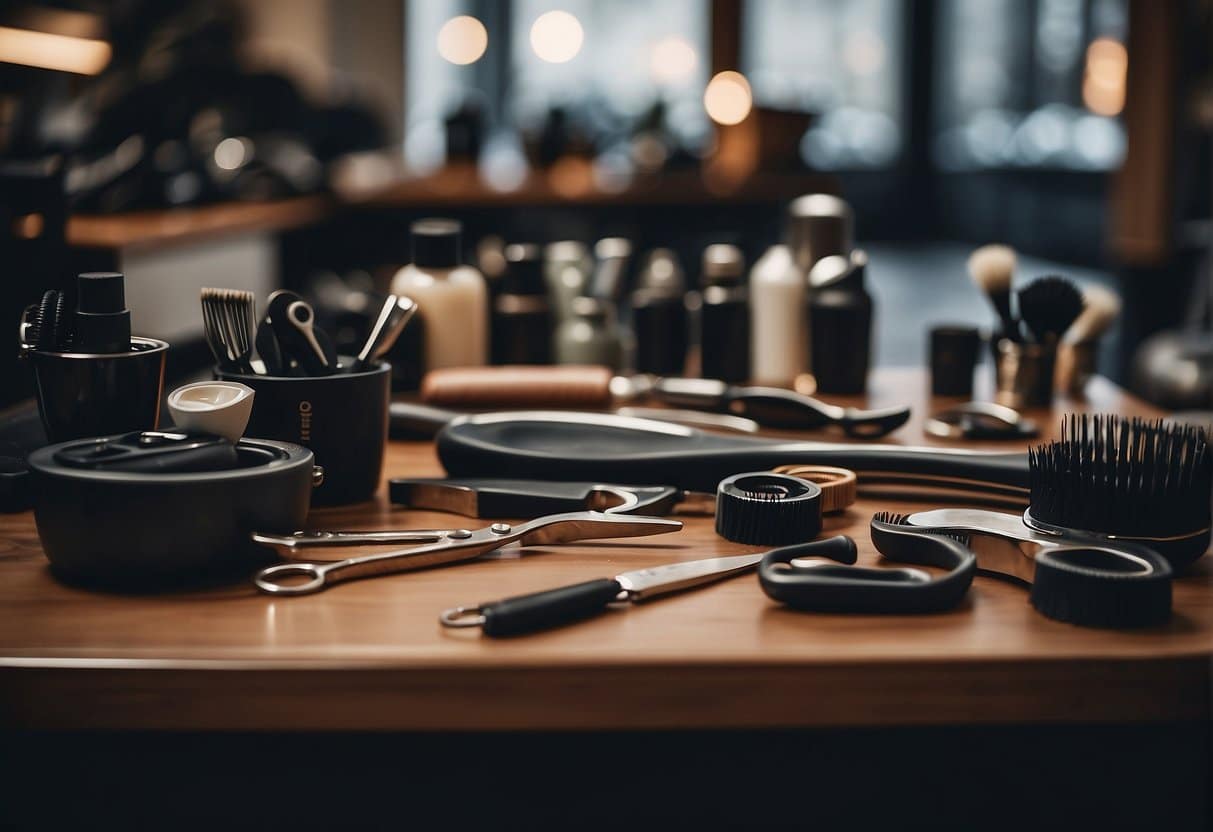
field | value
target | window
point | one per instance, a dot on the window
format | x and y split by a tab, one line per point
1030	85
838	59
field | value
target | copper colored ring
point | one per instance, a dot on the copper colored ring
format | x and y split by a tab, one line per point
839	486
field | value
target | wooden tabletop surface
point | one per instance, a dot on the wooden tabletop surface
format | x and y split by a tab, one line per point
370	655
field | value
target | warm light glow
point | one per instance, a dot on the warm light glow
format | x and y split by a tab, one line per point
727	98
29	226
231	153
571	177
673	60
462	40
1103	83
556	37
47	51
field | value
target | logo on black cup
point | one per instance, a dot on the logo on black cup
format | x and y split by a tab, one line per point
305	421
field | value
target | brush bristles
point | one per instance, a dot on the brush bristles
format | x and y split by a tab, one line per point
1118	476
992	267
1101	308
890	518
228	317
1048	306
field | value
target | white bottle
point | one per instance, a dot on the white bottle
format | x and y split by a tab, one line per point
452	298
778	324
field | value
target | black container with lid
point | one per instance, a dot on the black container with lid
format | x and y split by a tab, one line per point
725	315
840	324
522	315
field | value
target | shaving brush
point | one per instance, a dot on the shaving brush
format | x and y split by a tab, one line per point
1049	306
1026	366
1076	354
991	269
1100	309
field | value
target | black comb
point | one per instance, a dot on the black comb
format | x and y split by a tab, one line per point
1128	478
1048	305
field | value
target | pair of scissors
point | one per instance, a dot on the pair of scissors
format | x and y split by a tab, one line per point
439	547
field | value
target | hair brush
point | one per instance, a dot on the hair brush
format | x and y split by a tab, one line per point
1100	308
1148	482
1048	306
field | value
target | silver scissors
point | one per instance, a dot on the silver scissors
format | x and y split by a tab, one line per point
443	546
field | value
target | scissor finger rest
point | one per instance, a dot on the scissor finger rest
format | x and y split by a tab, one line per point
271	579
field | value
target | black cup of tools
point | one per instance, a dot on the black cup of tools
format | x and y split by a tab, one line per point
342	417
92	378
954	351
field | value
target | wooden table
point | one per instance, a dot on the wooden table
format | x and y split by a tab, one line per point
721	656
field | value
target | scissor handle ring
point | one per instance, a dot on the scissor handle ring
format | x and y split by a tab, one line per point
268	579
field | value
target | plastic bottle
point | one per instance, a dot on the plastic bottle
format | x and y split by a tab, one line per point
778	324
659	316
840	320
452	299
724	316
589	335
522	317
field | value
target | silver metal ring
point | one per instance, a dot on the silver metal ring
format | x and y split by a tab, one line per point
461	617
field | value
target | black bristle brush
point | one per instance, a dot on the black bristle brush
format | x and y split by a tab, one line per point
1148	481
766	508
1048	306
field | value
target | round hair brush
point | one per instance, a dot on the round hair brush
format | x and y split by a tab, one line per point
765	508
1048	306
991	269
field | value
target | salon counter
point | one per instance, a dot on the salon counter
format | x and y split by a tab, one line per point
371	656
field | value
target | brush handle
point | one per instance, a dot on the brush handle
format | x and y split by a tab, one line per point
571	386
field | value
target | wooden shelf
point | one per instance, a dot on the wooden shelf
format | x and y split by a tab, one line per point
463	186
178	225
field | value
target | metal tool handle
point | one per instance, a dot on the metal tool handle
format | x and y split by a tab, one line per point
501	498
778	408
538	610
286	544
270	580
856	589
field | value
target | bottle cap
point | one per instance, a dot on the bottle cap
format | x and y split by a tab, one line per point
662	273
436	243
524	270
819	225
100	292
722	263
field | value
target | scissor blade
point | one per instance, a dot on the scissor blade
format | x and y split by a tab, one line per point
644	584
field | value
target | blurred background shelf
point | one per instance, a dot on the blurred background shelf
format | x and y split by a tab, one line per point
192	224
463	187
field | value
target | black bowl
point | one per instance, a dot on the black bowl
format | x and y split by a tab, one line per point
130	529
